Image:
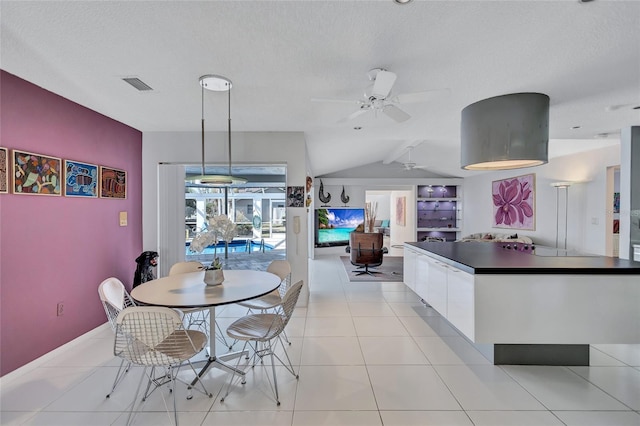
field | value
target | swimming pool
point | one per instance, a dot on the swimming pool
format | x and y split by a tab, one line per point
235	246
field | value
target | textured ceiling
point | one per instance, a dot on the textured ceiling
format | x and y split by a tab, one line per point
281	54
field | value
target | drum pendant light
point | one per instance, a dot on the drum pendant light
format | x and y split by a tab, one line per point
218	84
505	132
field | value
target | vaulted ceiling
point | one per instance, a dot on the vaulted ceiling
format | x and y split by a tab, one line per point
282	54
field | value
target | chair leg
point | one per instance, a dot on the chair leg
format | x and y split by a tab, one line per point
135	396
275	377
119	376
222	339
233	375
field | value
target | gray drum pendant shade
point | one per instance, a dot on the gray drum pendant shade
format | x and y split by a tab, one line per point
505	132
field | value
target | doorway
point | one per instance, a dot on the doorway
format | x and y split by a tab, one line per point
612	229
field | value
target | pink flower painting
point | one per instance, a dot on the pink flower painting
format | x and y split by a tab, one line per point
513	202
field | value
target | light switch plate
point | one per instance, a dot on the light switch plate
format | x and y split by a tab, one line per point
123	218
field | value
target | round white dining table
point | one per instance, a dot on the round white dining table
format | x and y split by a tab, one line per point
189	290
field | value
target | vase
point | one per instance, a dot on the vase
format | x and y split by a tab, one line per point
213	276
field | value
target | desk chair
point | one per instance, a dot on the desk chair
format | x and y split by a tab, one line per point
114	298
154	336
366	250
262	332
198	317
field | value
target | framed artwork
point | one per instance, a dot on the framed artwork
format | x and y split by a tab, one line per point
113	183
295	196
4	171
80	179
616	202
36	174
513	202
401	211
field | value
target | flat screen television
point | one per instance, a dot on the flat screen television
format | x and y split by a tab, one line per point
333	225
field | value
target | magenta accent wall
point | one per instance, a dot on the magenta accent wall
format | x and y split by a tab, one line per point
59	249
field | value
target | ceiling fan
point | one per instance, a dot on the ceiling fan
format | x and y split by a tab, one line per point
410	165
380	98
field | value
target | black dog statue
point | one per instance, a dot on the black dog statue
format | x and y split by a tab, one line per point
144	271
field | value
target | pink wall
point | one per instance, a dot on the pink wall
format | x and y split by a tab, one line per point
55	249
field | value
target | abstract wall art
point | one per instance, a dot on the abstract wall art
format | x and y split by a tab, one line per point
80	179
36	174
4	171
113	183
514	202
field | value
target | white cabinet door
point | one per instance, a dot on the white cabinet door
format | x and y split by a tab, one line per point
437	287
422	276
409	272
460	301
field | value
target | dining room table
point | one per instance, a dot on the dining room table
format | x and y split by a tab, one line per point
189	290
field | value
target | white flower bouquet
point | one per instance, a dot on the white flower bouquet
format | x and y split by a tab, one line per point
220	228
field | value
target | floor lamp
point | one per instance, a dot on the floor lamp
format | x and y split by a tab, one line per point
559	186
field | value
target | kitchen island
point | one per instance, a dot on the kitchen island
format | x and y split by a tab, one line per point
523	304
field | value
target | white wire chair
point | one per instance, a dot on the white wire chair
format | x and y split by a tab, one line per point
155	336
262	333
114	299
282	269
273	300
198	317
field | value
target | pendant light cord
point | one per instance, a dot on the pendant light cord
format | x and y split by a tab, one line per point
229	115
202	127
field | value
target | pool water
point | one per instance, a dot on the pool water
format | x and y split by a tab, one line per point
236	246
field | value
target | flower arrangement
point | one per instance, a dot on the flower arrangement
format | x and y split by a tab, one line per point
220	228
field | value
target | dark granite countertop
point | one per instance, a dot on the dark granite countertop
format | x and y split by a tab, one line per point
496	258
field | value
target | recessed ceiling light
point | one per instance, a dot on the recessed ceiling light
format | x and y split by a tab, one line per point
402	1
357	128
575	127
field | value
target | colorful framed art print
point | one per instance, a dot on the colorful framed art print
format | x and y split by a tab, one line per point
80	179
36	174
113	183
4	170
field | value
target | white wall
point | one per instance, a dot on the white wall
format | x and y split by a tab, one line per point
247	148
383	198
588	202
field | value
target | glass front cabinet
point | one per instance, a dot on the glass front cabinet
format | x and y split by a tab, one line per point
439	212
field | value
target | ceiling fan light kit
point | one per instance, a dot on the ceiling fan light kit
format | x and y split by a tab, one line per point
217	83
505	132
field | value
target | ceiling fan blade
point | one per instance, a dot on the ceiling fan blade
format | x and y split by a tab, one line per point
419	97
435	170
383	83
353	115
610	108
342	101
396	113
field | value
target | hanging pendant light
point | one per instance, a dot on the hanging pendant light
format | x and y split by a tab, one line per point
505	132
217	83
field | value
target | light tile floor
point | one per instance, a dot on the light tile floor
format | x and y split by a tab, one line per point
367	354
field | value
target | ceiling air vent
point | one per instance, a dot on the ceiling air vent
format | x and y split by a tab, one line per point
138	84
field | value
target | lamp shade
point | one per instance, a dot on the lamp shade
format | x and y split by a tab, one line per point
505	132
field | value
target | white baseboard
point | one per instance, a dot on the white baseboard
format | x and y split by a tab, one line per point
50	355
